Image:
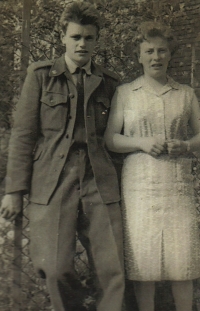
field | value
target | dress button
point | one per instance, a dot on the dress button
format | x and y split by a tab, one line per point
54	72
70	117
67	136
61	155
71	95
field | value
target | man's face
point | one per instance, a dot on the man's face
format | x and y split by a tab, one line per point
80	41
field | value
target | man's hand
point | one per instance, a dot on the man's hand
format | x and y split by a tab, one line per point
12	205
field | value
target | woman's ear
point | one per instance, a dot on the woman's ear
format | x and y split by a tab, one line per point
169	57
137	52
139	58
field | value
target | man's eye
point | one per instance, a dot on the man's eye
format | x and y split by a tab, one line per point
149	51
76	38
89	38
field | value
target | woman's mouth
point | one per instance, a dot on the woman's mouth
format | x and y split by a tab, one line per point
156	65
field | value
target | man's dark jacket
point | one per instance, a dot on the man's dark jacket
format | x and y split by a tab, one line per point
43	129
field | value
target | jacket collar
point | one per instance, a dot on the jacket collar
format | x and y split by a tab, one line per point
72	67
141	83
59	67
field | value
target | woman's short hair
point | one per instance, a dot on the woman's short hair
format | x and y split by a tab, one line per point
150	29
80	12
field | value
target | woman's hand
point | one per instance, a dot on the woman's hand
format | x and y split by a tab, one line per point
11	205
176	147
152	146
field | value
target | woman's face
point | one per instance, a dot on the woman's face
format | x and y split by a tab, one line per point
154	57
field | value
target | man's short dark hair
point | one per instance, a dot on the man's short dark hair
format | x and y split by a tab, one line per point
82	13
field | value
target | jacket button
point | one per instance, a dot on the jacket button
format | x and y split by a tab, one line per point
61	155
71	95
70	117
67	136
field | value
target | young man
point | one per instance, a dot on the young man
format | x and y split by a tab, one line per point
57	155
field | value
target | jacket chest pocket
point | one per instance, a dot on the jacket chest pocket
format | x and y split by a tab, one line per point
54	109
102	107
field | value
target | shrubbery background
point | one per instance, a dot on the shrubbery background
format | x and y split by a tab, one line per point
115	48
116	51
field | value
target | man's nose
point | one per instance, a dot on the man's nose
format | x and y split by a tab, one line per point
82	42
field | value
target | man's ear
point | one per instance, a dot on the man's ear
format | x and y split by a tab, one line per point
62	37
170	57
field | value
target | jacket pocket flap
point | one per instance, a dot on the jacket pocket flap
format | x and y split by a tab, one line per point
53	99
104	100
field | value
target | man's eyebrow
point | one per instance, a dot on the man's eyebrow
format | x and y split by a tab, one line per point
75	34
78	34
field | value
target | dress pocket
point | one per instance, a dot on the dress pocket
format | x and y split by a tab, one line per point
184	170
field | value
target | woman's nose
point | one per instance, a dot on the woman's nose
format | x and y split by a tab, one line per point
156	55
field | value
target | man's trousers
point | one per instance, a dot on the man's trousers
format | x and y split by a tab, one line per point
76	206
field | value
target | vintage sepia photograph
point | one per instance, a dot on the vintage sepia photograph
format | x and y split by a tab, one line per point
100	155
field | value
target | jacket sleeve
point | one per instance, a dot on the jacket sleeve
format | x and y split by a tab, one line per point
24	135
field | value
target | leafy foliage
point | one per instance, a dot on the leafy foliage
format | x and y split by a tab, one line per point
115	50
9	40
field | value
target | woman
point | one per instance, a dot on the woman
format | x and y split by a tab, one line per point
160	227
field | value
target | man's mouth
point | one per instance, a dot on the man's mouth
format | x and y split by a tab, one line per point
82	52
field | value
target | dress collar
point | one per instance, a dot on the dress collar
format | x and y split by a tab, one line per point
141	83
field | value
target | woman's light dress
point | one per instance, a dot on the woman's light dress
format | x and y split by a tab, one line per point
160	218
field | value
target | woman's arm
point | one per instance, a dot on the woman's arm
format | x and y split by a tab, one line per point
120	143
115	141
177	147
194	123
